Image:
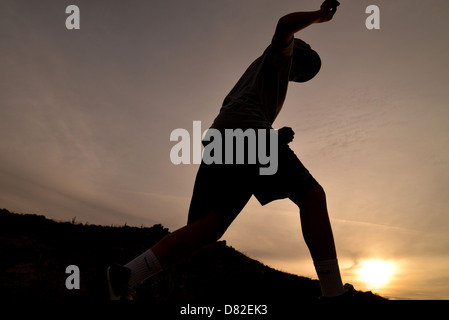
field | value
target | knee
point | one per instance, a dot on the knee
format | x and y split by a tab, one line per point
315	199
313	196
317	195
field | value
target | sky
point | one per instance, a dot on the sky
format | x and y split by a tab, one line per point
86	116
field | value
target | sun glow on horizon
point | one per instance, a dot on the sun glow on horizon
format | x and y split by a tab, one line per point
376	273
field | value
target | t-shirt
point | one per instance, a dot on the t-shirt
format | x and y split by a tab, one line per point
257	98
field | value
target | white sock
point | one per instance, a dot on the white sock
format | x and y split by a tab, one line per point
329	275
143	267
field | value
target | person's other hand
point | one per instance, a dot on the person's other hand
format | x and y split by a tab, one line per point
286	134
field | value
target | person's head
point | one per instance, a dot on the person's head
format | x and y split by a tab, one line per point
306	62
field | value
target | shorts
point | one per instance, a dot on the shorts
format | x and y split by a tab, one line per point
226	188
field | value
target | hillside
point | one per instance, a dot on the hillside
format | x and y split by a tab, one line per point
35	252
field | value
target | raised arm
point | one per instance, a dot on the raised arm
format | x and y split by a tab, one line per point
290	24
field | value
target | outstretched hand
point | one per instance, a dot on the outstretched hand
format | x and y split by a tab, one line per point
286	135
328	9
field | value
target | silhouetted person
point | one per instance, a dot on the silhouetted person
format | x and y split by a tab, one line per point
222	190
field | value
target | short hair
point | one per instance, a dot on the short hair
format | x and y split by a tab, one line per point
308	58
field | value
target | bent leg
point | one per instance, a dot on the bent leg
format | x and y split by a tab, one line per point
317	232
315	224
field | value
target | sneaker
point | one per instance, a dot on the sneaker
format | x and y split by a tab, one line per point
348	296
118	277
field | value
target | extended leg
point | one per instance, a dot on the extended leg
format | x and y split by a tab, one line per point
175	247
185	241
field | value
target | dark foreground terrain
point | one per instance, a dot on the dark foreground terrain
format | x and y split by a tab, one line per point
36	251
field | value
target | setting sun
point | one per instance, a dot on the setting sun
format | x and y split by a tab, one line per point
376	273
